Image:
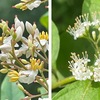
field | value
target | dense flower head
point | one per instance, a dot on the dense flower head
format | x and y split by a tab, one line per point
82	25
79	67
96	74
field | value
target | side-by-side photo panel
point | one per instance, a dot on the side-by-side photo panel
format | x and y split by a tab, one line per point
75	49
24	50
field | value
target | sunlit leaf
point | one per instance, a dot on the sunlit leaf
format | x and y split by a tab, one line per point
10	91
80	90
42	90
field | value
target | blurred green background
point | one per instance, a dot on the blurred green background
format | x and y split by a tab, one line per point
8	13
64	13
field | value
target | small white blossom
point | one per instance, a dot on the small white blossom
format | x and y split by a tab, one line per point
97	69
96	74
79	29
79	67
97	62
27	76
45	44
18	23
33	5
19	33
3	57
95	21
6	48
30	28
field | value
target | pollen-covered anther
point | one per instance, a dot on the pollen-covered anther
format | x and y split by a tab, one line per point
44	35
13	75
35	64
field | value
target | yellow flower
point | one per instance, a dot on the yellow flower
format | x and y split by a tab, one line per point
13	75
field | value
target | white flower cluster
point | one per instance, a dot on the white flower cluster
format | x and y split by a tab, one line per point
14	45
80	69
82	25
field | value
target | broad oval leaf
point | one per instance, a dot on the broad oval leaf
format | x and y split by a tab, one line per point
80	90
44	20
55	43
10	91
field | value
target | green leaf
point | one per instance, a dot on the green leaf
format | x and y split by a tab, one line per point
10	91
90	6
55	43
80	90
42	90
44	20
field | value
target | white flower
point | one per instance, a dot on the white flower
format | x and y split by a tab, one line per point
96	74
30	28
33	5
45	44
19	33
3	57
79	29
97	62
43	38
95	21
79	67
27	76
97	69
6	48
18	23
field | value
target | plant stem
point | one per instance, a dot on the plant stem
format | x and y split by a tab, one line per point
41	57
62	82
34	96
42	48
14	56
41	83
41	72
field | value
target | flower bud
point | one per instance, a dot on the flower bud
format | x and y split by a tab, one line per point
20	87
4	70
29	28
24	61
19	33
6	48
19	5
5	27
0	40
94	35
